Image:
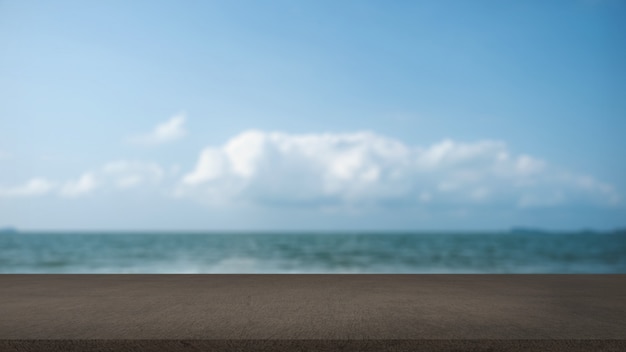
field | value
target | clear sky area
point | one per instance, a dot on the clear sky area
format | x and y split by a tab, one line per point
312	115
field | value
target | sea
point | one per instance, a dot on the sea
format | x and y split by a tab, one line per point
503	252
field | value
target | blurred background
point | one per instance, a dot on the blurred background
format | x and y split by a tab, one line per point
312	136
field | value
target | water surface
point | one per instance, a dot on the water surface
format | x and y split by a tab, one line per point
504	252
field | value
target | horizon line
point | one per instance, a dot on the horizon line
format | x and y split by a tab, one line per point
511	230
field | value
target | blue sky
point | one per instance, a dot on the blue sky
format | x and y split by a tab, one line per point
312	115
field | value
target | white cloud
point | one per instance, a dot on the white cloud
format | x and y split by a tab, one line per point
125	174
120	175
84	185
366	169
528	165
34	187
167	131
352	171
5	155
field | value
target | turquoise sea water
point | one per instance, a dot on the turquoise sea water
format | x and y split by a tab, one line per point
313	253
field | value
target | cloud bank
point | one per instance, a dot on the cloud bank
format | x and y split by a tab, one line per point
125	174
121	175
84	185
168	131
344	171
365	169
34	187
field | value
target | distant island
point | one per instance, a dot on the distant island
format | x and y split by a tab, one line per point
9	230
586	231
619	231
526	230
